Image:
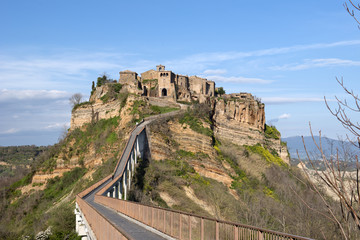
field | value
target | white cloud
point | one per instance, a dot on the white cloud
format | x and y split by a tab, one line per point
315	63
215	71
206	59
6	95
58	125
283	100
57	70
218	78
10	131
284	116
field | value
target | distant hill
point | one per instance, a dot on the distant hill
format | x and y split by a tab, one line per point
329	146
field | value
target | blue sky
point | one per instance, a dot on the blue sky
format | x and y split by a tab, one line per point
288	53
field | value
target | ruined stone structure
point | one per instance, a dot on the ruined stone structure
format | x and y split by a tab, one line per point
166	84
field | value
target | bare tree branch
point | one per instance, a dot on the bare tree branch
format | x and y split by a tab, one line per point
75	99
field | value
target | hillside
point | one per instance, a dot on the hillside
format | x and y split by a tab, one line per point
194	171
217	159
16	160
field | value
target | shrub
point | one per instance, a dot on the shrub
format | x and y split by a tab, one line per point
263	152
57	186
62	220
112	138
272	132
195	124
76	106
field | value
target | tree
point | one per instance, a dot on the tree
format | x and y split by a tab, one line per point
343	184
221	91
352	8
75	99
103	79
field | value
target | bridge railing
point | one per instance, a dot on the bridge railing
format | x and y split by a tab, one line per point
102	228
183	225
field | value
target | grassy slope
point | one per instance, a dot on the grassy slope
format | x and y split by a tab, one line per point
30	213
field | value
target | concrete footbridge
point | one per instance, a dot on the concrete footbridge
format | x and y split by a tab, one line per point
103	212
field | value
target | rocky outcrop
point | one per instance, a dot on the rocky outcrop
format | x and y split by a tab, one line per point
240	119
41	177
95	109
167	138
173	136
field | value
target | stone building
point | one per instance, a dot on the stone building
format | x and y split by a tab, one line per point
166	84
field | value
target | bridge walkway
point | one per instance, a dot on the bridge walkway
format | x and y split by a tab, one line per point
132	229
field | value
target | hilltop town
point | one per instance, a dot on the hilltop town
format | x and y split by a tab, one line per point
166	84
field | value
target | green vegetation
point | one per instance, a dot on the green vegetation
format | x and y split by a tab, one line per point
30	213
97	133
270	193
142	110
159	110
136	107
112	138
23	181
152	81
105	98
169	176
183	153
241	180
272	132
62	221
103	80
20	154
269	157
92	88
76	106
112	93
184	102
220	91
57	187
194	122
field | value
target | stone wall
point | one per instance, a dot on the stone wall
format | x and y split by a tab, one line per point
127	77
151	74
196	84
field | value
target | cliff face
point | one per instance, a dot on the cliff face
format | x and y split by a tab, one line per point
191	170
177	141
240	119
100	106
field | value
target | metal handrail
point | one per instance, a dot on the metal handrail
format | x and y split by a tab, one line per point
133	209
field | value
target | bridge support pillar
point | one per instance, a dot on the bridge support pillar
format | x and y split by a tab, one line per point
137	147
129	172
124	186
114	192
132	162
119	190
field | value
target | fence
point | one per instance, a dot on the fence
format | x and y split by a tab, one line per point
102	228
187	226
